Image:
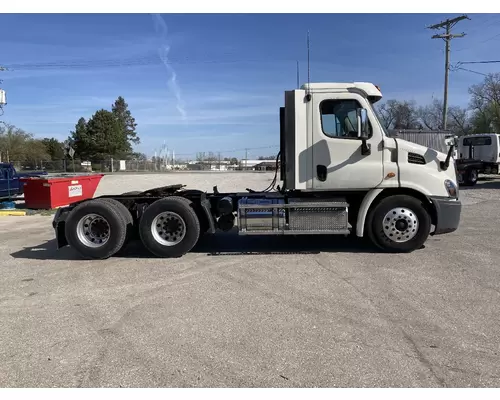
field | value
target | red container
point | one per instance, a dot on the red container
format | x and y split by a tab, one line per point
48	193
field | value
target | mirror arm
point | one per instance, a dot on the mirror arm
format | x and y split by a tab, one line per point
446	163
365	147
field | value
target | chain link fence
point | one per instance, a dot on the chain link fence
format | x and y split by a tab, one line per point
124	166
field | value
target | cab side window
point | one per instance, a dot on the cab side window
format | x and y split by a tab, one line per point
4	173
338	118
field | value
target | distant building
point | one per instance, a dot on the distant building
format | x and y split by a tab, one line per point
248	165
266	166
214	165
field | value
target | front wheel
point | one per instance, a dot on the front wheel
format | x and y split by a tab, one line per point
398	223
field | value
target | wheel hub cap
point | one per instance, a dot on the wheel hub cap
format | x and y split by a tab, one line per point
168	228
93	230
400	225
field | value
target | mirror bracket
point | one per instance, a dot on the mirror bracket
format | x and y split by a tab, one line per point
362	119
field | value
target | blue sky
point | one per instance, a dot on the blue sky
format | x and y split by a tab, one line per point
230	69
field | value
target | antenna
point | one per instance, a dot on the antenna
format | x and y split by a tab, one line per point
308	60
308	91
298	75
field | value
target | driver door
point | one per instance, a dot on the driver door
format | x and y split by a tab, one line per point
338	159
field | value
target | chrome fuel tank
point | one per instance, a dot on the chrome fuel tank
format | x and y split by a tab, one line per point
260	215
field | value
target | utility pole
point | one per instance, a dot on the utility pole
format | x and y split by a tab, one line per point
3	100
448	24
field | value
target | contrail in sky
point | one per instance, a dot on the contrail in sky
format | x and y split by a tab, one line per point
162	29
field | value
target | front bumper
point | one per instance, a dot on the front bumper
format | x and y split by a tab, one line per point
448	212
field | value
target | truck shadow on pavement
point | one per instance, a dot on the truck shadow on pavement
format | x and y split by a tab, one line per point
220	244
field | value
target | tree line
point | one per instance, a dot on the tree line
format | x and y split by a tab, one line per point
482	115
107	134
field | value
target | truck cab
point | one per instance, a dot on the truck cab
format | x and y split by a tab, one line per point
333	140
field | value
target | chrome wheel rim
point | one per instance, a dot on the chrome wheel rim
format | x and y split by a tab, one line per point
473	175
93	230
168	228
400	225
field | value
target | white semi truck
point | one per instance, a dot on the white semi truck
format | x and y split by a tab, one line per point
341	174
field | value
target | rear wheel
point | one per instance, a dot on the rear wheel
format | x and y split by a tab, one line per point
170	227
398	223
96	229
125	213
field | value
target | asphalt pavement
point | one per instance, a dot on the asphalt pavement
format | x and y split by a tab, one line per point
255	312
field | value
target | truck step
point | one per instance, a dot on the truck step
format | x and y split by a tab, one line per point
305	217
322	216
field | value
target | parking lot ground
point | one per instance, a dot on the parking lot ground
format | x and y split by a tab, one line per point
255	312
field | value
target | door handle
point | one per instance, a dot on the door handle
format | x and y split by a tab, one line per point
321	172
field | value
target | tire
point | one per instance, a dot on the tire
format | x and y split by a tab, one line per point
472	176
174	240
94	221
200	212
395	212
125	213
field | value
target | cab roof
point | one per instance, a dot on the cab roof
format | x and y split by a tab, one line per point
371	90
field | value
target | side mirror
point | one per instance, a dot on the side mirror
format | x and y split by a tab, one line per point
362	117
363	130
451	141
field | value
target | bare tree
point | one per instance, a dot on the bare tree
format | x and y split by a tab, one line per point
459	120
395	114
485	103
431	115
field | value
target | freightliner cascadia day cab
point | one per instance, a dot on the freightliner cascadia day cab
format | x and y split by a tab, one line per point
341	174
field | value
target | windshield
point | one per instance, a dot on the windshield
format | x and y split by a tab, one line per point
386	133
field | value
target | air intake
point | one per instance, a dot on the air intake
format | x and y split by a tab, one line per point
414	158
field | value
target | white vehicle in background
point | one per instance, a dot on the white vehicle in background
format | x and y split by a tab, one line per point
478	154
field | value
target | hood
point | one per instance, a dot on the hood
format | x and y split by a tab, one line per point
428	153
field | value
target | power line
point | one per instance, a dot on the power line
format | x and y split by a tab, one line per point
478	62
457	66
483	24
143	60
469	70
447	37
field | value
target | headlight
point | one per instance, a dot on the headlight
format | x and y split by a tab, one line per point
451	188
